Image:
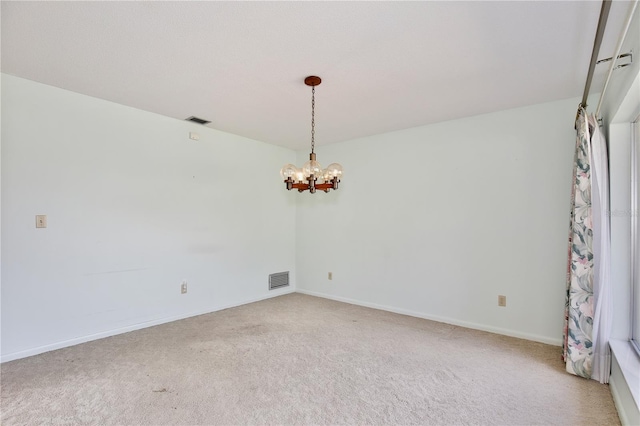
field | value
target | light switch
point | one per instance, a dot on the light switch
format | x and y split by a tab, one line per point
41	221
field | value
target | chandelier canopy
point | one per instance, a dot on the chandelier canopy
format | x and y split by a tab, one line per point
311	176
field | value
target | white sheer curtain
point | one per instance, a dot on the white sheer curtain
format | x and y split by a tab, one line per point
588	309
603	309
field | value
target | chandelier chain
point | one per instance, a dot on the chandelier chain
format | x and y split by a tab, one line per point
313	118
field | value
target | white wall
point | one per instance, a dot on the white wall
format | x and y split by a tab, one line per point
133	207
437	221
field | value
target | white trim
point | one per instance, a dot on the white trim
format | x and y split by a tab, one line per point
144	324
629	363
617	401
446	320
621	392
635	243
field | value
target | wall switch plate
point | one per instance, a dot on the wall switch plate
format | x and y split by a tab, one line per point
330	275
183	287
502	301
41	221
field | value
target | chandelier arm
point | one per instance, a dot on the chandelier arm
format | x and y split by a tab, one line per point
324	186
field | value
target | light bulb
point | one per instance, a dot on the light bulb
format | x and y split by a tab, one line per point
312	167
288	171
321	177
334	170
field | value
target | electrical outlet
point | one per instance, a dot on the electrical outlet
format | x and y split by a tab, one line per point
41	221
330	275
502	301
183	287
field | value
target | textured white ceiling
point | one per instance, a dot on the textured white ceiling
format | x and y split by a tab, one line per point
385	65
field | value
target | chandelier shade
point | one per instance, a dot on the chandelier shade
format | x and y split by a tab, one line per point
311	176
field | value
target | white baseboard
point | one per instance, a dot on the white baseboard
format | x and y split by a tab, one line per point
446	320
144	324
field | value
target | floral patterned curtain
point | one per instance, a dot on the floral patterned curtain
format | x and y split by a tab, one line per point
579	302
583	330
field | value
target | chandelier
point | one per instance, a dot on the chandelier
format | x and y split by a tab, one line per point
311	176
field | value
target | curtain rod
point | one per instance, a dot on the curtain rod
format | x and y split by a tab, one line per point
602	23
617	55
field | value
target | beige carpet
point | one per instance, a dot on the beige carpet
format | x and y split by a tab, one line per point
298	359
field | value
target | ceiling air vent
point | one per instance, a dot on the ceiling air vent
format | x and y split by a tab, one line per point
277	280
197	120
